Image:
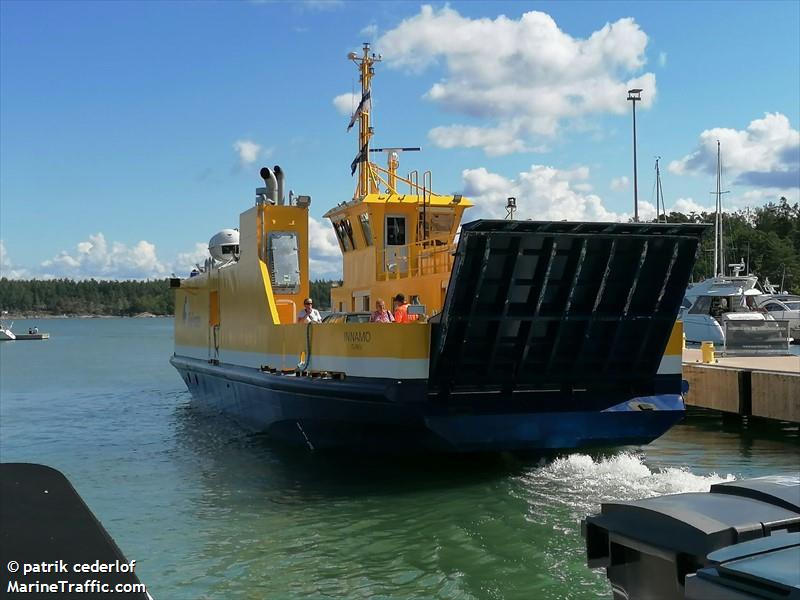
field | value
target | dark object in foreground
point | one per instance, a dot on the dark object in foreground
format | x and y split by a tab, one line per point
653	547
48	536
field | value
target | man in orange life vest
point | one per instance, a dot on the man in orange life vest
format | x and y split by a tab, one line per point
401	312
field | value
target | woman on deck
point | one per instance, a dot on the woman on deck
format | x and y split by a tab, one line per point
381	315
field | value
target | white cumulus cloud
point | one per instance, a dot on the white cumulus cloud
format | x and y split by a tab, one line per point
764	155
688	206
525	76
247	150
95	258
325	256
185	261
369	31
619	183
543	193
346	103
7	268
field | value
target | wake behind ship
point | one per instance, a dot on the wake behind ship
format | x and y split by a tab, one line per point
530	335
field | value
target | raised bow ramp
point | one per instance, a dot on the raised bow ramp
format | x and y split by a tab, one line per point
562	307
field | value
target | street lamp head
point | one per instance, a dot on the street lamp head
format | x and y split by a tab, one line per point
635	94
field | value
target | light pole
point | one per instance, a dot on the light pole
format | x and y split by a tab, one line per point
635	95
511	206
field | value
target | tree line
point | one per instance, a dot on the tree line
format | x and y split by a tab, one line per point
106	298
766	238
87	297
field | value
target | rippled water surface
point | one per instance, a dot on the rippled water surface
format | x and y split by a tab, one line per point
211	512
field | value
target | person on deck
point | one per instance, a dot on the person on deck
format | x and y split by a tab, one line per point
309	314
381	315
401	312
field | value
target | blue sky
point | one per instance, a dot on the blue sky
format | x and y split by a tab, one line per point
131	132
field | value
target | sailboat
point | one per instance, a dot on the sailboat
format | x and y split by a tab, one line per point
726	302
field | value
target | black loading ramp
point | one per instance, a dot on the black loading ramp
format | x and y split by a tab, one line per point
561	306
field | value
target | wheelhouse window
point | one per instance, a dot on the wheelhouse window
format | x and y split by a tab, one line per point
284	262
363	218
395	231
439	223
344	232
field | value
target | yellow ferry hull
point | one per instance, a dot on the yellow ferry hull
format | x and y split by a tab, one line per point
552	336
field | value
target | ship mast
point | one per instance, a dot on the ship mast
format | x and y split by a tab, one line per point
365	62
719	253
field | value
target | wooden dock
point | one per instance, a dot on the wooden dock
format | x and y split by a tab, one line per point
29	336
760	386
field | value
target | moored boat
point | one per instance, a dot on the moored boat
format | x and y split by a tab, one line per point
6	334
711	305
724	309
524	335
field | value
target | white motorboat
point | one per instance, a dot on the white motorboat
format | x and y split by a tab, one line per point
723	304
711	304
6	333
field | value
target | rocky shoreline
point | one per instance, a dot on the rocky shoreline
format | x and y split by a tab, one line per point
11	316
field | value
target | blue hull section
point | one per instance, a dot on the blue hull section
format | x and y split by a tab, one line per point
383	415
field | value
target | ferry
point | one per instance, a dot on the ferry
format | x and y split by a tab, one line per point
528	335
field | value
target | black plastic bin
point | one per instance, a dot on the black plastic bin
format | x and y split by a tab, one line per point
648	547
767	568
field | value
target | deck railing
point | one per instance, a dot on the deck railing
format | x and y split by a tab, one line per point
429	257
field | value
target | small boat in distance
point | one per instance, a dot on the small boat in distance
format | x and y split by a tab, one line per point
523	335
6	333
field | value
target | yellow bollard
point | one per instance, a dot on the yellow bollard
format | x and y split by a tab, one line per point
707	352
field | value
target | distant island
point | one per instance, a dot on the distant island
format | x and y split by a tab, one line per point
90	297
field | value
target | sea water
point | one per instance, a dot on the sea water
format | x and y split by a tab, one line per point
209	511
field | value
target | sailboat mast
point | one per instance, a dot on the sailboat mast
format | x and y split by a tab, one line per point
659	194
719	213
719	252
716	222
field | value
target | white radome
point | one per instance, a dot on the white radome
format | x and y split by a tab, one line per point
224	246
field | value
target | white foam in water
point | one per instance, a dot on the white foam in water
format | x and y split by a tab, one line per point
582	482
